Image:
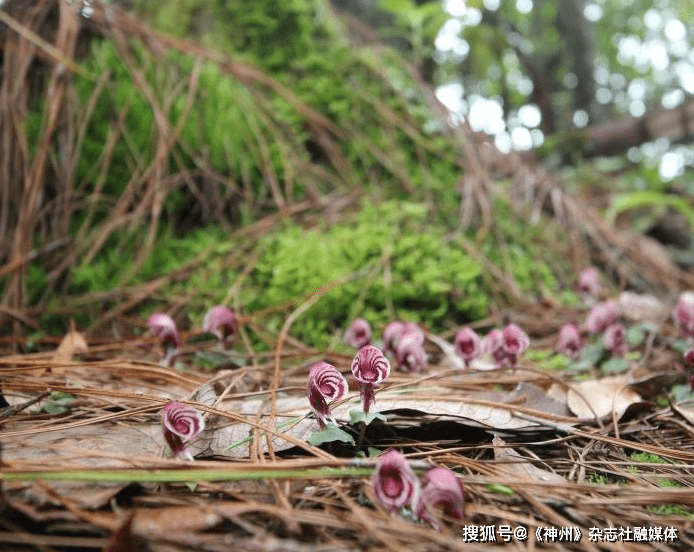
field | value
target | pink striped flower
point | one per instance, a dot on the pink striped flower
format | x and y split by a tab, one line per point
588	285
163	327
181	424
601	316
615	339
221	321
325	384
358	334
570	340
441	488
369	367
493	341
684	314
394	482
410	353
468	345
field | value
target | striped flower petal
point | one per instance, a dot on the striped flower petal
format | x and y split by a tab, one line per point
325	384
181	424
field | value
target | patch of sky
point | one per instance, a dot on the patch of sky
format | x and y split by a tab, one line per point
592	12
524	6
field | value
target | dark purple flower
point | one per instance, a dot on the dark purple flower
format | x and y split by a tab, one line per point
370	367
358	334
181	424
615	339
588	285
441	488
601	316
468	345
410	353
163	327
394	482
684	314
325	384
221	321
570	340
689	356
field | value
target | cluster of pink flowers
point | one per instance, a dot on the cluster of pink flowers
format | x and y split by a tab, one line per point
396	486
219	321
405	341
603	318
370	368
504	346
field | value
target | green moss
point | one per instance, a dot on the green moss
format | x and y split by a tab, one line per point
395	257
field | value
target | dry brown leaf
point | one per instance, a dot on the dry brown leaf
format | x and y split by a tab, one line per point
169	522
603	396
519	468
73	343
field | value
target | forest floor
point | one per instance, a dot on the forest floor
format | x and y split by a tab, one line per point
592	454
551	455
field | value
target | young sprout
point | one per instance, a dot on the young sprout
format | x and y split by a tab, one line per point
588	285
601	316
181	424
221	322
325	384
369	367
570	341
441	488
615	339
358	334
410	353
468	345
394	482
163	327
683	314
